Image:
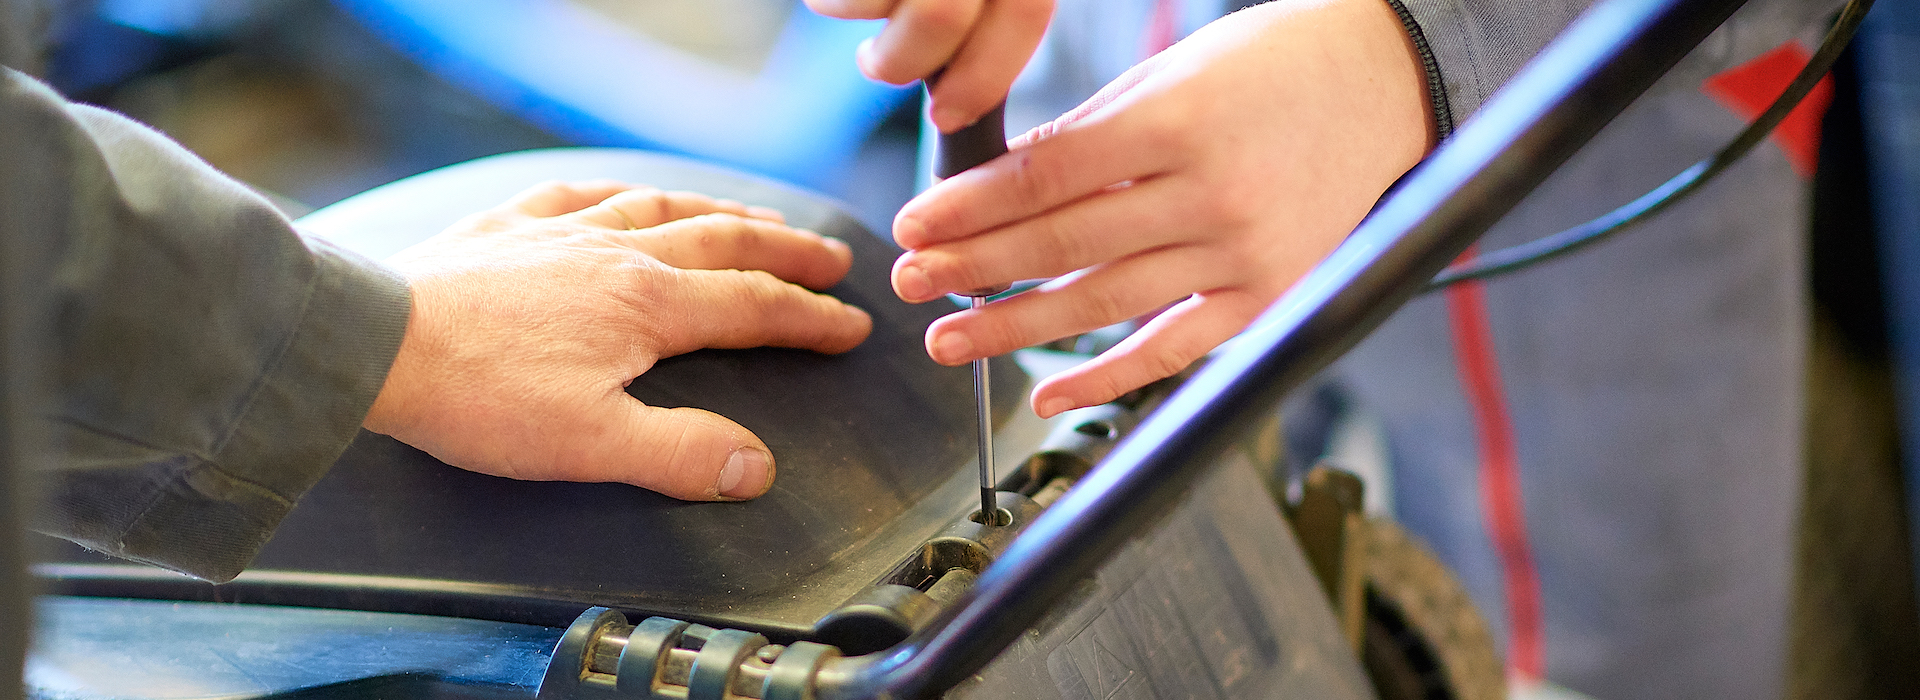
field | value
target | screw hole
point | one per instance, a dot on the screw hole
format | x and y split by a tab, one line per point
1001	518
1098	429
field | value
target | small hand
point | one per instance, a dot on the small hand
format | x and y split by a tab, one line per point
530	319
983	44
1209	178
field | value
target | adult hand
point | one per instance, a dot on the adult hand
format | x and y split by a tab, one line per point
982	44
1209	177
530	319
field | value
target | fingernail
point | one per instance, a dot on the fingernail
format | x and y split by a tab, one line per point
863	57
909	232
948	119
838	246
1055	406
745	475
915	285
952	346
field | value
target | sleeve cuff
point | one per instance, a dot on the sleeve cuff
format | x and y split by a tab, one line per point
1436	83
304	414
1470	48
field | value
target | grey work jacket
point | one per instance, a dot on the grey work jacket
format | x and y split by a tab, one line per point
187	364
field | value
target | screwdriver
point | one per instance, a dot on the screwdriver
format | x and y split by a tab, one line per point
953	154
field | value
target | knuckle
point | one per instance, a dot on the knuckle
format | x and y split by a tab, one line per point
1059	246
683	472
1102	310
659	202
1235	205
1160	364
740	229
1162	131
685	201
762	290
1107	387
996	335
743	237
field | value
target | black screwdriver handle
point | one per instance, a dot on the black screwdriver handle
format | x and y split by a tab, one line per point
973	144
983	140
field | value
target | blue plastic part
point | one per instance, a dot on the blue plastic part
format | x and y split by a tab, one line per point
801	118
112	648
1890	107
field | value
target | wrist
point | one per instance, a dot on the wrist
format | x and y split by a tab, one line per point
1399	84
1438	109
1358	78
387	414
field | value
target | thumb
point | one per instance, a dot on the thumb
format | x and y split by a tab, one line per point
686	453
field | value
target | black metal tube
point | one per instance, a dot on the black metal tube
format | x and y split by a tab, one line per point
1582	80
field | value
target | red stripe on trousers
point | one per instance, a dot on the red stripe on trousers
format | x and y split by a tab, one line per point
1748	89
1502	503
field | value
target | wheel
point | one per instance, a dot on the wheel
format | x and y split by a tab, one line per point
1424	640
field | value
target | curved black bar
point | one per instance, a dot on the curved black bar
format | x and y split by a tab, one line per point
1580	82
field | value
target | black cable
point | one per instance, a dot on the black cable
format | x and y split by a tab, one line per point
1525	255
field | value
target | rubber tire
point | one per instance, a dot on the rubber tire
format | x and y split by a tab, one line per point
1425	640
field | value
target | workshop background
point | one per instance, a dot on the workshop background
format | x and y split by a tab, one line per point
316	100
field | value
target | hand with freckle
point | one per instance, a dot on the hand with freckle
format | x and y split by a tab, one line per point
530	319
1204	181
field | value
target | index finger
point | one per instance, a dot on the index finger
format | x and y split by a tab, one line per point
752	308
1079	160
644	207
728	242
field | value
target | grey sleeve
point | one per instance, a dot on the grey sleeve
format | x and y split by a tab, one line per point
1471	47
208	364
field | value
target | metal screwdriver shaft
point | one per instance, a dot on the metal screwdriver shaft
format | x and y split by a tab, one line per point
954	153
983	398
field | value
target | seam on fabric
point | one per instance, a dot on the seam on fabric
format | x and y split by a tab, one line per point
1436	83
200	461
178	482
280	354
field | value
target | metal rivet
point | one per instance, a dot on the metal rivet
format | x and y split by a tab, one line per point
769	652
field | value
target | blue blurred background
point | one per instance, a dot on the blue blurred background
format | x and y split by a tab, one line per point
316	100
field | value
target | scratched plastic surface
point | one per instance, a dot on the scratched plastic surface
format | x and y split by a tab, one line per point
1217	602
